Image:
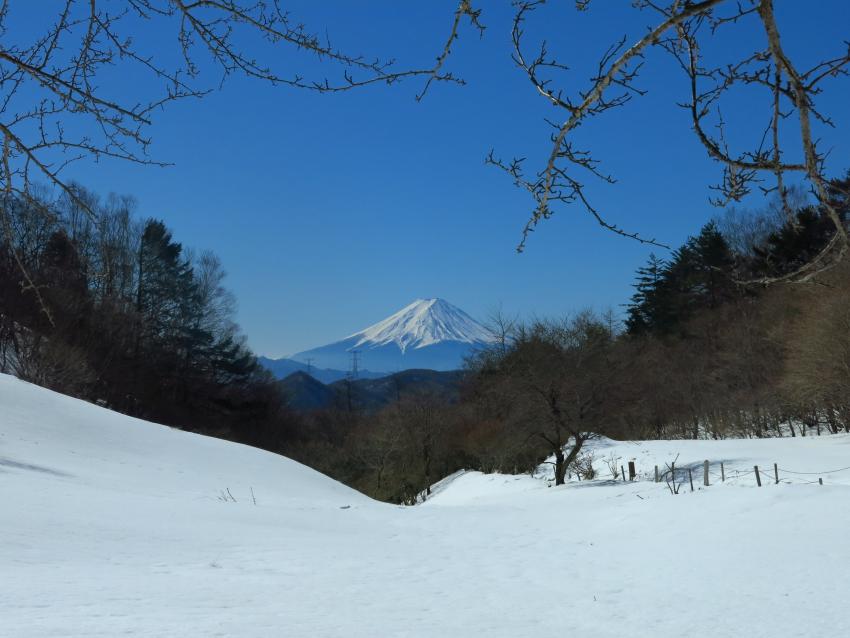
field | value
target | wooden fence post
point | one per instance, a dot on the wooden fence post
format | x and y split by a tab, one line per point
776	472
722	472
691	478
705	473
623	472
657	478
820	481
758	477
632	471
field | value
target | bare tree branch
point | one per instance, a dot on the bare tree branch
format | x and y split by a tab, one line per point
679	30
57	107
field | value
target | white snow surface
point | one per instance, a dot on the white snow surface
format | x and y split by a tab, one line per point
423	323
113	526
799	461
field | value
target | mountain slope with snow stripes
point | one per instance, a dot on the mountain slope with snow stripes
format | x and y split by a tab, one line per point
423	323
428	333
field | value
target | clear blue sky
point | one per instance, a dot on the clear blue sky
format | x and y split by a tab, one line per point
332	211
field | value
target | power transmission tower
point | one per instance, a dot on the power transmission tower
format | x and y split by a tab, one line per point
309	362
355	364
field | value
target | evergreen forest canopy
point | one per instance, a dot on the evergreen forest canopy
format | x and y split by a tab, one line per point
114	310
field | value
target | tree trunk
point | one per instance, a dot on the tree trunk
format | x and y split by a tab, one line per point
426	458
560	467
563	462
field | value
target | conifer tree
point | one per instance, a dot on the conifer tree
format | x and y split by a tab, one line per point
698	276
643	309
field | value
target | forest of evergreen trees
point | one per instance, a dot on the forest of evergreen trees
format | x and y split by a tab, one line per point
116	311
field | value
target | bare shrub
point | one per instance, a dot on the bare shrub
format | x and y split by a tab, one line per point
52	364
583	466
613	464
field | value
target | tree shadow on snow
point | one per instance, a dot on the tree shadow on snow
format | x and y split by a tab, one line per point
17	465
595	483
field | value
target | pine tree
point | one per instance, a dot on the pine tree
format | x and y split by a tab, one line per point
714	265
799	240
165	287
698	276
643	310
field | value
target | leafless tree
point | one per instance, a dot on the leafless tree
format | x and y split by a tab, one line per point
559	384
681	28
49	363
670	477
423	419
746	230
816	373
502	329
376	444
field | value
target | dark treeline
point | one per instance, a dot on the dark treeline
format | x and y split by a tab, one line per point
112	309
116	311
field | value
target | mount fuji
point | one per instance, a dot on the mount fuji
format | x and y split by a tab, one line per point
429	333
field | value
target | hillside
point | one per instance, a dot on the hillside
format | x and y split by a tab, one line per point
371	394
305	393
113	526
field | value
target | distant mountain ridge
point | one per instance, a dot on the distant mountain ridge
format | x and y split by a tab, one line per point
283	367
429	334
304	393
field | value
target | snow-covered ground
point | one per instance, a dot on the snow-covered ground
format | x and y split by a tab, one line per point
800	461
112	526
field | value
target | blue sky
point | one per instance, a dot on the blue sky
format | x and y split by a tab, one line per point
332	211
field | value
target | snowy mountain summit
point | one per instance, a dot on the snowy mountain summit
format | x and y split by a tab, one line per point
428	333
423	323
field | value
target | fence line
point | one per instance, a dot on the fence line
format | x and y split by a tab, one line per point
685	474
842	469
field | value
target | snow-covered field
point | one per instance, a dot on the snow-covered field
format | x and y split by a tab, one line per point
112	526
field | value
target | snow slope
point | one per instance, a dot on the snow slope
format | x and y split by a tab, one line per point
428	333
113	526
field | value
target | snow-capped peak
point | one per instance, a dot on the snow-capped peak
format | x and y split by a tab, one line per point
424	323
